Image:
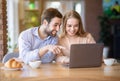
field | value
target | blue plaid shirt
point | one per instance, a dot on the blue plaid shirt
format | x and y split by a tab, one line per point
30	43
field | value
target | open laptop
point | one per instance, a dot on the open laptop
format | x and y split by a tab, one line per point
86	55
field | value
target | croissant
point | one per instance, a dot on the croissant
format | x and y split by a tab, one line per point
12	63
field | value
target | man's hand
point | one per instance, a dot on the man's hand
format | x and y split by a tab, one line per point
56	49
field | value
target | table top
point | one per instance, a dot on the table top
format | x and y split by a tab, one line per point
53	72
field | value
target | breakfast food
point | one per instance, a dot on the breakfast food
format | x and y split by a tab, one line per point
12	63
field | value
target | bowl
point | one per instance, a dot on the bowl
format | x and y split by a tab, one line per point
109	61
34	64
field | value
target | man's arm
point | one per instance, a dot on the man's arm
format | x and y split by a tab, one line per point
25	49
43	52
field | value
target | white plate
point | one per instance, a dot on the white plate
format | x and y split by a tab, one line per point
12	69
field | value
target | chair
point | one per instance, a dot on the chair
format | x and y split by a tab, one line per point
9	56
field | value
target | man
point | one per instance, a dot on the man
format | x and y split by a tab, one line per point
39	43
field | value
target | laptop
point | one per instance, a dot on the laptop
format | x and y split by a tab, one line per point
86	55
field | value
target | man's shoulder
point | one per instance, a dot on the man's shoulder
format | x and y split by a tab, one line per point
30	30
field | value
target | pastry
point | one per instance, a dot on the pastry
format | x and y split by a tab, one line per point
12	63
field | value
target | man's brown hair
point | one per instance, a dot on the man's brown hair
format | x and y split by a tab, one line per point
50	13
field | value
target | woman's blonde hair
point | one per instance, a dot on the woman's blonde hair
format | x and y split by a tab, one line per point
73	14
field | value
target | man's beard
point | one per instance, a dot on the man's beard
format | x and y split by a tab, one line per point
51	32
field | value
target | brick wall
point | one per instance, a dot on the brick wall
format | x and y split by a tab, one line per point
3	29
93	9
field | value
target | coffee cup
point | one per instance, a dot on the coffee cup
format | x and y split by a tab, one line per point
110	61
34	64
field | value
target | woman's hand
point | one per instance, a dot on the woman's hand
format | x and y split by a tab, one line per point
63	60
66	60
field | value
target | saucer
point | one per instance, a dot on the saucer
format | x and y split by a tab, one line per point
11	69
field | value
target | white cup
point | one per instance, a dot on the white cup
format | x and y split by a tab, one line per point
35	64
110	61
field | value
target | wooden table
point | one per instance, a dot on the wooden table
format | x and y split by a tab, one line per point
55	72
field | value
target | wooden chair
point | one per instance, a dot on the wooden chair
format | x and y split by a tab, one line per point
9	56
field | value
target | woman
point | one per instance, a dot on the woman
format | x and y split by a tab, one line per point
72	33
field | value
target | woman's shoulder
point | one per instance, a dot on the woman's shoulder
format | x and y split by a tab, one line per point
89	35
90	38
61	40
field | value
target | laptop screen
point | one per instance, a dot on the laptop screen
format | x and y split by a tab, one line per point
86	55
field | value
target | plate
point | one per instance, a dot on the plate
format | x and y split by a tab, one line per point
12	69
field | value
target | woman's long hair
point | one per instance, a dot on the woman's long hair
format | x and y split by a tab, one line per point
73	14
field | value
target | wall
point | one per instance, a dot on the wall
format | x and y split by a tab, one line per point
93	9
3	29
